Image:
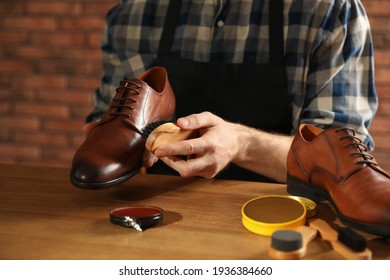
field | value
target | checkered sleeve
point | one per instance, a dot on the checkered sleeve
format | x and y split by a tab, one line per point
340	79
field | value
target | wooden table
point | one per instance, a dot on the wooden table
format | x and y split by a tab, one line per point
42	216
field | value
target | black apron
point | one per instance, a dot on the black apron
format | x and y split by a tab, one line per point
251	94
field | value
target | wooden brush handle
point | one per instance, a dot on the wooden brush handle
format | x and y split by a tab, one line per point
331	235
308	234
168	133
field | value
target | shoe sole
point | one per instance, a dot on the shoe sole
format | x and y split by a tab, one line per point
104	185
300	188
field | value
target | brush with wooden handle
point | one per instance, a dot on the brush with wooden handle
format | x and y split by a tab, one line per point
291	244
158	134
346	242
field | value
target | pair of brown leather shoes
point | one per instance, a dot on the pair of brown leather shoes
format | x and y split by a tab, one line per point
113	149
334	165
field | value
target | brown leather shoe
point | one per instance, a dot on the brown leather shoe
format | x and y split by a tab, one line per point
334	165
113	149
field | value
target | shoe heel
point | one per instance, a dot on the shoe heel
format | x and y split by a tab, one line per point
300	188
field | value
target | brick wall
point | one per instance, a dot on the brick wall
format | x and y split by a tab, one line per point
50	63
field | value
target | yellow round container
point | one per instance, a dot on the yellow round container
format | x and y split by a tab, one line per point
310	205
266	214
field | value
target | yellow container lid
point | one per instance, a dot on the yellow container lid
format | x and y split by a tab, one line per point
266	214
310	205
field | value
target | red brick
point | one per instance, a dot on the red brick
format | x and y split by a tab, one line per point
374	8
19	151
93	39
382	58
14	123
382	76
64	66
383	158
11	94
382	142
32	52
67	97
383	92
86	83
65	126
15	66
41	138
30	23
98	8
56	8
9	37
82	24
380	126
44	81
42	110
80	112
82	53
5	81
63	155
379	24
384	108
11	8
5	136
381	41
59	39
5	108
95	69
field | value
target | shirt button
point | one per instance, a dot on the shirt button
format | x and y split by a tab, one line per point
220	23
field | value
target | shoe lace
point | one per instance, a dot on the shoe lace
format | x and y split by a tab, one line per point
365	157
127	88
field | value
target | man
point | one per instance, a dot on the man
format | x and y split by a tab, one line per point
246	73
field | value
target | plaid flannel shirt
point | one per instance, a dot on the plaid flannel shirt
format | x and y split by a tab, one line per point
328	51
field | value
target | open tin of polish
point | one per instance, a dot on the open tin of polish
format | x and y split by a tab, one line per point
139	217
266	214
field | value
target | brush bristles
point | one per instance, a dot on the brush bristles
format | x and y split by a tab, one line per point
352	239
150	127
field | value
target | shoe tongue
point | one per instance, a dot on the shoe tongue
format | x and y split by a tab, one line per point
310	132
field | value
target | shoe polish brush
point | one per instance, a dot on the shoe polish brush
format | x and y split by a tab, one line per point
291	244
345	241
161	133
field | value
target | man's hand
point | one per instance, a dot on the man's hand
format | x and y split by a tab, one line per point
222	142
207	155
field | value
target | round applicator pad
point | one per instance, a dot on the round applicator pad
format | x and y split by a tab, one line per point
286	240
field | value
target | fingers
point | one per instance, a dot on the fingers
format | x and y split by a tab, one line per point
197	121
192	158
202	121
184	148
149	159
204	156
192	167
